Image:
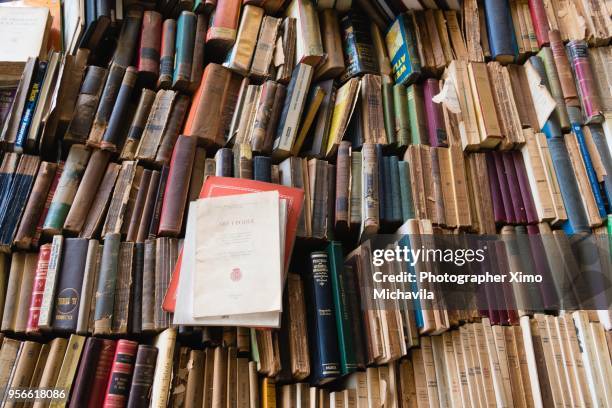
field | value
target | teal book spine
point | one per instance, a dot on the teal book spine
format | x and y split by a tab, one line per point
185	42
402	47
346	347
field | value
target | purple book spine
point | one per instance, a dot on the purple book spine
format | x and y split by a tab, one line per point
519	165
496	196
549	297
515	191
505	190
433	111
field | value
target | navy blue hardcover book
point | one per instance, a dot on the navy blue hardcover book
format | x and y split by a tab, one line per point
500	30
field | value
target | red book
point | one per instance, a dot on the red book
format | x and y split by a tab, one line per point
38	288
118	389
540	21
225	186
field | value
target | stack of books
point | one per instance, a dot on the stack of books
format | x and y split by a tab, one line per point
190	192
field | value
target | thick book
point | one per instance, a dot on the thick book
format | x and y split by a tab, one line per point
239	59
264	52
223	26
402	46
167	51
113	134
309	47
183	59
150	47
144	369
68	291
357	45
106	103
107	281
333	62
120	378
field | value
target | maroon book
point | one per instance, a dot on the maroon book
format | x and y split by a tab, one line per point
504	188
540	21
547	290
92	376
515	192
499	212
521	173
120	379
433	111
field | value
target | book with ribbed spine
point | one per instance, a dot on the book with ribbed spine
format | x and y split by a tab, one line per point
167	51
264	51
68	291
38	288
123	290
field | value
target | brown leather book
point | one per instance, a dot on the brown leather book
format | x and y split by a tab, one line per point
149	206
204	121
97	210
135	220
86	105
177	187
83	200
131	202
333	61
35	206
150	44
121	194
173	127
165	259
197	65
156	123
138	124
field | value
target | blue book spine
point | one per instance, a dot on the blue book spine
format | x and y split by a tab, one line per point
416	304
30	107
326	358
500	30
262	169
590	170
599	139
402	46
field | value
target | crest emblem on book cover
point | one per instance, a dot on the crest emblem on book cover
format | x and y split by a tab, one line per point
236	274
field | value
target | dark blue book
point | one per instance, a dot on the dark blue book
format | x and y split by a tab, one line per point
382	195
30	106
262	169
590	170
500	30
324	354
570	193
70	282
602	145
388	189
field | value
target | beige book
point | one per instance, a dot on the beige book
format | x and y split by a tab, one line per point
556	386
373	384
195	373
551	176
602	358
442	371
207	383
484	362
25	292
372	119
530	364
67	372
8	358
358	382
484	106
561	368
51	371
11	300
456	37
41	361
445	41
380	48
475	381
458	76
576	356
242	52
219	388
462	368
162	379
24	368
262	59
578	398
309	47
446	179
472	32
407	394
431	377
513	363
498	364
420	381
435	43
536	175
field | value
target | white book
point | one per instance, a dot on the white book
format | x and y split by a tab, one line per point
531	362
24	32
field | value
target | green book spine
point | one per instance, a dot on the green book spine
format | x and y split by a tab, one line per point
389	110
416	115
343	312
610	232
405	191
402	125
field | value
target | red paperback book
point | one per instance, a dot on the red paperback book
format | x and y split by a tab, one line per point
225	186
118	389
38	288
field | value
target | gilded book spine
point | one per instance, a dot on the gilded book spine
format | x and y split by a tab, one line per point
118	389
39	287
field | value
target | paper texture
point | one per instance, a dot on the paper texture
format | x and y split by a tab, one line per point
543	102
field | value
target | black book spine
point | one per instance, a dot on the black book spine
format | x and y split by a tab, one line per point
68	291
136	302
86	372
142	380
128	39
326	357
161	189
262	169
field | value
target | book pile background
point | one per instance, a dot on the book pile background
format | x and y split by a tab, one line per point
444	117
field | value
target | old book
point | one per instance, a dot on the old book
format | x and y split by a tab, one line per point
106	285
97	210
47	303
402	46
150	47
38	288
172	129
433	113
138	124
12	117
144	370
183	59
68	290
8	358
117	391
159	199
344	105
262	116
123	289
66	189
197	64
142	231
309	46
166	60
333	61
264	52
320	132
204	119
90	384
90	273
372	119
370	221
589	97
287	130
92	177
165	260
486	116
285	47
221	33
35	204
239	59
148	286
157	122
469	131
121	194
115	132
67	372
357	43
416	115
21	303
162	379
52	367
139	203
107	100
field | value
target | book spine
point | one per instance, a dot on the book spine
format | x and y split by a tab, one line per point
222	31
38	288
177	187
263	116
514	187
128	38
402	45
168	49
433	111
185	41
554	83
144	370
66	190
149	207
197	63
139	203
117	118
150	47
165	260
107	102
540	21
333	64
326	365
358	48
47	303
369	187
30	106
566	78
70	284
591	104
105	292
160	391
85	374
500	31
343	180
35	205
161	189
148	286
87	292
97	210
496	193
405	191
123	289
389	110
83	200
118	389
172	129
